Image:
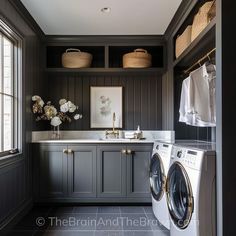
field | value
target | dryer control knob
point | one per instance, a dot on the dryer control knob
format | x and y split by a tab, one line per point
157	147
179	154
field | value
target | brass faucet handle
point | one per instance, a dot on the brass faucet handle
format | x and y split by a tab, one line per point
106	133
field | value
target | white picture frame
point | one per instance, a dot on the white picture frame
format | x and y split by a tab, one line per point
104	101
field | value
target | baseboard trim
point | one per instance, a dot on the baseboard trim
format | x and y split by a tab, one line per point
15	217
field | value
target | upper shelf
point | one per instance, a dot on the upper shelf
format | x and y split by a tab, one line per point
201	45
152	70
106	59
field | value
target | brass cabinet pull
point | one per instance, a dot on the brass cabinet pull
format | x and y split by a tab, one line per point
70	151
65	151
123	151
129	151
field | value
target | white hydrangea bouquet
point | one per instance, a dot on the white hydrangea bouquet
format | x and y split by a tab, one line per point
68	111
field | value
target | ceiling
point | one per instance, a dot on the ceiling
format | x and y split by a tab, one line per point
84	17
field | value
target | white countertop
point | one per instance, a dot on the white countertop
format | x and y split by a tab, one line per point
84	141
98	137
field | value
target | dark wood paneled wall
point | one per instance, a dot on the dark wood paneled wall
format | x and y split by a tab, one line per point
142	97
16	173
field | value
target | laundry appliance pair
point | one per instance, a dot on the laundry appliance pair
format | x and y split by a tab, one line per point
182	182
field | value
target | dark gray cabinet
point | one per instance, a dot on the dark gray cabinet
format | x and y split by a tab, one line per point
52	171
92	173
123	171
138	161
111	169
81	171
65	171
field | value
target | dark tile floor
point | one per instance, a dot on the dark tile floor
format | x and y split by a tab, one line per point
90	221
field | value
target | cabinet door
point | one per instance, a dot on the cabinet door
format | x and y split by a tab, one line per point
138	170
52	171
111	169
82	171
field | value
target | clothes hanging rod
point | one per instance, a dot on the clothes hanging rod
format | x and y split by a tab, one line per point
199	61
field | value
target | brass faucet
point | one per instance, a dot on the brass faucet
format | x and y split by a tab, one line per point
113	131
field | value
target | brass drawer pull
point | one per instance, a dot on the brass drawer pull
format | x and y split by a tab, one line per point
129	151
65	151
70	151
123	151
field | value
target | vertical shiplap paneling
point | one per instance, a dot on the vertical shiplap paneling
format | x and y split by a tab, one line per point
78	99
12	185
86	103
129	103
142	96
144	104
158	91
137	102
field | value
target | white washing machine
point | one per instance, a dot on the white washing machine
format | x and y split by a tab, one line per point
158	170
190	190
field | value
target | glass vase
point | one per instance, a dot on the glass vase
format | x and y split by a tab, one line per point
56	132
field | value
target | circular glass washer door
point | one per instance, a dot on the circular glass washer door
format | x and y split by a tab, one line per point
157	177
179	195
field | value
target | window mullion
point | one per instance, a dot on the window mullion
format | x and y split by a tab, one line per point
2	98
13	100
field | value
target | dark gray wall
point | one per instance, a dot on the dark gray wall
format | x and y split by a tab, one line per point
226	113
15	173
142	97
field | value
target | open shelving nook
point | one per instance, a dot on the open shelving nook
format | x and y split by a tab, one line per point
106	58
198	48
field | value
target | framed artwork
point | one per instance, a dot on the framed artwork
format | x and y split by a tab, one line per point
104	102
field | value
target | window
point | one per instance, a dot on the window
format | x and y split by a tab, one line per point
8	93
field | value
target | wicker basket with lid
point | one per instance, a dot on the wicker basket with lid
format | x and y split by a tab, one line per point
74	58
140	58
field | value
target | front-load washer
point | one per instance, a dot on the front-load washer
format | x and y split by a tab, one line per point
190	190
158	170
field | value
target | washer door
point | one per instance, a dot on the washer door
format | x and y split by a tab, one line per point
179	195
157	177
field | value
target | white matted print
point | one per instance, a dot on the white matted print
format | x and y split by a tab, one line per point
104	102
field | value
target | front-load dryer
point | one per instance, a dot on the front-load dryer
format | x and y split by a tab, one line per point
190	190
158	170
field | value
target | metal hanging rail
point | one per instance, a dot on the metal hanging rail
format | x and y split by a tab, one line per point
199	61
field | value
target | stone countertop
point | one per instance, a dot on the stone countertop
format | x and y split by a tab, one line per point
88	137
95	141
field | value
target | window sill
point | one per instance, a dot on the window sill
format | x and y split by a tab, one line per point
10	159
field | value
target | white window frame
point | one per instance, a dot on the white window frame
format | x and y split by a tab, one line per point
9	33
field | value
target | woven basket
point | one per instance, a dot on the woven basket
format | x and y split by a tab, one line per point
183	41
201	20
74	58
140	58
212	11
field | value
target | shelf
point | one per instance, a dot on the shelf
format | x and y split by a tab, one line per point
106	70
116	54
201	45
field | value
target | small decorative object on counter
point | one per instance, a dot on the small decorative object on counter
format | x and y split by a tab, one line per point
138	133
49	112
140	58
74	58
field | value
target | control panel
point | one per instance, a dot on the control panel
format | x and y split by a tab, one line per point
162	148
188	158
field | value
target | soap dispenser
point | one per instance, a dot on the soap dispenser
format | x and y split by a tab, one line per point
138	133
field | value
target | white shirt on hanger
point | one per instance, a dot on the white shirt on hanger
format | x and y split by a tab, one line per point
197	105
